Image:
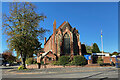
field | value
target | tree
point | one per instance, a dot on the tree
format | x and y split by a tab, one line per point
22	27
114	53
95	48
99	60
8	56
88	49
83	48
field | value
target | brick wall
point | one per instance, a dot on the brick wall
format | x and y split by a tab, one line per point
48	46
107	59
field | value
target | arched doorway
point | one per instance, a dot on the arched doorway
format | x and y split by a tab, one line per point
66	44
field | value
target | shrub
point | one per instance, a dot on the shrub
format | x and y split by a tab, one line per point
100	60
29	61
56	62
79	60
42	62
34	62
64	60
20	68
68	65
72	63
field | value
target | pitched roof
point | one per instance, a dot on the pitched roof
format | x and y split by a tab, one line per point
63	27
56	30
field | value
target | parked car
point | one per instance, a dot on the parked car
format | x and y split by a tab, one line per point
6	64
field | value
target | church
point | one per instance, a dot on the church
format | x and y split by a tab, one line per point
65	40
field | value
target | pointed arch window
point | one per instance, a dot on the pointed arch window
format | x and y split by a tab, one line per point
66	44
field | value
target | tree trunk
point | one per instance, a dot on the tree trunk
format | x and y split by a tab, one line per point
23	58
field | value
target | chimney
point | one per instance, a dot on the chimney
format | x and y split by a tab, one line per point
44	40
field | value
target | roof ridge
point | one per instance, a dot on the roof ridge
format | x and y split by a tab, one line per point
61	25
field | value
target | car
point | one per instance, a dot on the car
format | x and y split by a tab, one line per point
6	64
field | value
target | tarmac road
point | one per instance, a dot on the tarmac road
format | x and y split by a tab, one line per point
75	73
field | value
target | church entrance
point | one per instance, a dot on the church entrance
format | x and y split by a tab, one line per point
66	44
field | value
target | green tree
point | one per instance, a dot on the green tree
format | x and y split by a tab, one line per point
83	48
114	53
95	48
22	27
88	49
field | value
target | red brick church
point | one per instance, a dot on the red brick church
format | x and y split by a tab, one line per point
65	40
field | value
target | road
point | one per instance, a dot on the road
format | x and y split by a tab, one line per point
85	73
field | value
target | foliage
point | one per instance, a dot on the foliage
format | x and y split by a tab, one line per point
34	62
22	27
29	61
20	68
89	49
42	62
79	60
72	63
68	64
115	53
83	48
64	60
56	62
95	48
8	57
100	60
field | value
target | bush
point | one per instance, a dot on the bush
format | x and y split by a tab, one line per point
100	60
42	62
34	62
20	68
68	65
72	63
29	61
79	60
56	63
64	60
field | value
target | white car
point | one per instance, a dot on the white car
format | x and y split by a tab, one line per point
7	64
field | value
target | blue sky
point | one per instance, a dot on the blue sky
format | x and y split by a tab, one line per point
88	17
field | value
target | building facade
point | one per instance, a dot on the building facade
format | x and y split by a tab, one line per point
65	40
